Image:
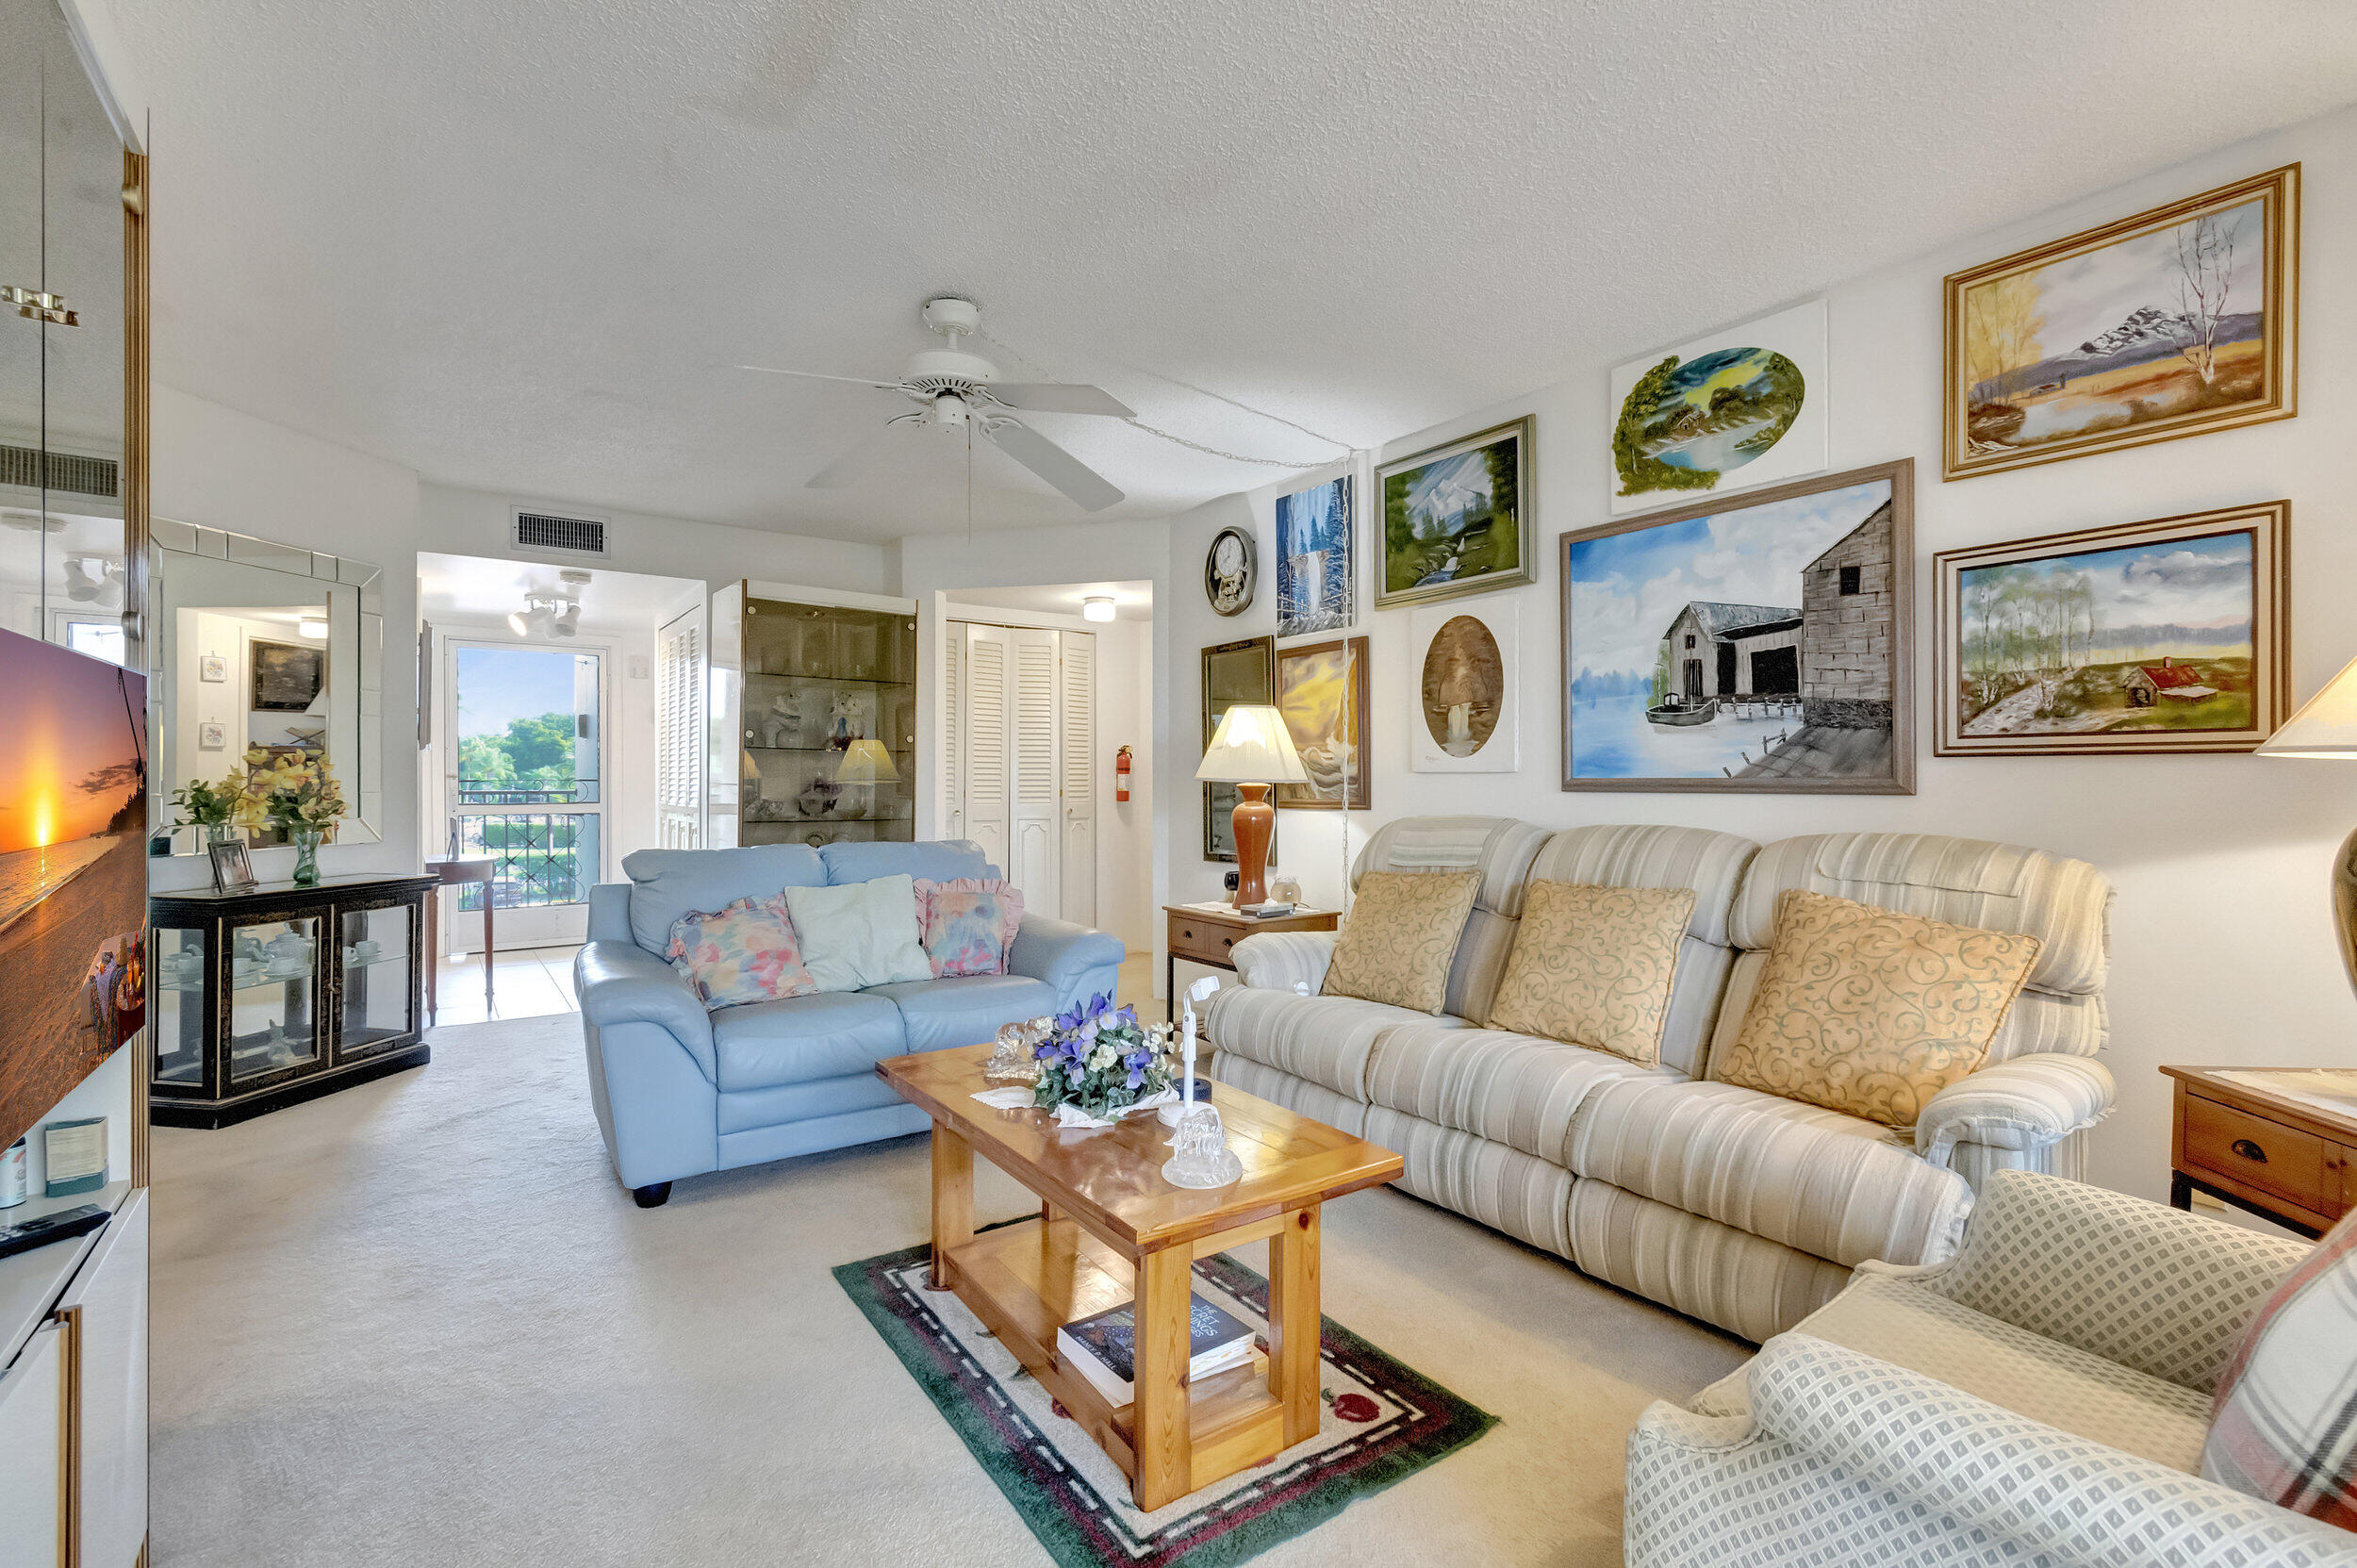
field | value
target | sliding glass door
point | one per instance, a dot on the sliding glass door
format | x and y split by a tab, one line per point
524	765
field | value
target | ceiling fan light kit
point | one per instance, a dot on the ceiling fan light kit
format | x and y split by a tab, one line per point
961	392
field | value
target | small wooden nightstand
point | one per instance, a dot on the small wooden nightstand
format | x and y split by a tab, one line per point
2268	1151
1203	934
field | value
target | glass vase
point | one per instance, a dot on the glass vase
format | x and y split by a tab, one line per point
307	843
219	833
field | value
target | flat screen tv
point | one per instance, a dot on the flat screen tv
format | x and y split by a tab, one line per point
72	871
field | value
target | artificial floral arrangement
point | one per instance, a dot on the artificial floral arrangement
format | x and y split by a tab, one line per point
1099	1059
296	794
210	806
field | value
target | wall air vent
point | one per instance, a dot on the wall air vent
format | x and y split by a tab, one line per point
550	533
68	474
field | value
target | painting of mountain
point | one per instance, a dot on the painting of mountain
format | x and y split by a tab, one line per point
2172	322
1457	519
2158	636
1739	408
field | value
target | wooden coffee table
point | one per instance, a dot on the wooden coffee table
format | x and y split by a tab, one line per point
1111	1228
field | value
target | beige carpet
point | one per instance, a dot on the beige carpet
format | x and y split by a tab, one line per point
418	1323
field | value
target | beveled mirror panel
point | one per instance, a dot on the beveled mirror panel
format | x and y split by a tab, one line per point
265	646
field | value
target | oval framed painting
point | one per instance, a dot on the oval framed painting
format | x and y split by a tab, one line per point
1740	408
1464	694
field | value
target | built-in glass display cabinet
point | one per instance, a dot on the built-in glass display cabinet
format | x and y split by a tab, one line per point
813	716
280	993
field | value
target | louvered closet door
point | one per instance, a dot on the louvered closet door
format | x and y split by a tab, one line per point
679	720
1032	852
988	693
953	689
1076	700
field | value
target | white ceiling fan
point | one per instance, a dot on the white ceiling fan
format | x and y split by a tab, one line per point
960	393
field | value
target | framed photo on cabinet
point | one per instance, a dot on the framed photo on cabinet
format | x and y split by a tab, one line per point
2176	321
1762	644
2160	636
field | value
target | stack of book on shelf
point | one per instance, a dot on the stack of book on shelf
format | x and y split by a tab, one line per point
1103	1349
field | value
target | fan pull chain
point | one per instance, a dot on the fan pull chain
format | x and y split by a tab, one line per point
1039	370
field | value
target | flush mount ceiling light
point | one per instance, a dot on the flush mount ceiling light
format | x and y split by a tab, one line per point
1096	606
314	627
551	615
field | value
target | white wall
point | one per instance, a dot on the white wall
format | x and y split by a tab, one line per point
215	466
2222	940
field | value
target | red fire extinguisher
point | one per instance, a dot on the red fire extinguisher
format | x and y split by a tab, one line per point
1121	774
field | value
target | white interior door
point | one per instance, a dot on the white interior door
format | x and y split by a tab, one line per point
523	762
32	1435
1035	834
679	721
1076	704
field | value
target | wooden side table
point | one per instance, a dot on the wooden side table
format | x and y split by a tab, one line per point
458	871
1203	934
2284	1150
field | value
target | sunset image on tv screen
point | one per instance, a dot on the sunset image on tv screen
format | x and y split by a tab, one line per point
73	870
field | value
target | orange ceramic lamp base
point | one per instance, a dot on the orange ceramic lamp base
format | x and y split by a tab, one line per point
1254	819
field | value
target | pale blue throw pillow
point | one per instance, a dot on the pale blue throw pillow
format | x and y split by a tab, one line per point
861	935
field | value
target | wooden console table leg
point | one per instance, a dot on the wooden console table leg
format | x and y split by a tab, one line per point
953	1200
1164	1441
1295	1323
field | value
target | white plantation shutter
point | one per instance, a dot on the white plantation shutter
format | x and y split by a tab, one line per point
680	739
954	748
1031	856
986	739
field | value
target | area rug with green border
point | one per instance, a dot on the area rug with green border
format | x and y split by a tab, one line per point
1382	1422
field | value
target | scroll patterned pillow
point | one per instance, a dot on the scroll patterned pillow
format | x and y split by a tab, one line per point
968	924
1870	1012
2286	1426
1401	937
1592	966
746	952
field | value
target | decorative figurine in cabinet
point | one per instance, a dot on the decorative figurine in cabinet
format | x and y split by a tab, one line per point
279	993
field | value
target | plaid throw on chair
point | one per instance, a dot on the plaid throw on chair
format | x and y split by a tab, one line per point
2285	1430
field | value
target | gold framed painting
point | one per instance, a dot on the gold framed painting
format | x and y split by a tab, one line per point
2172	635
2176	321
1322	691
1458	518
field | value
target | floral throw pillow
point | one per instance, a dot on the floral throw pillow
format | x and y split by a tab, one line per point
746	952
968	924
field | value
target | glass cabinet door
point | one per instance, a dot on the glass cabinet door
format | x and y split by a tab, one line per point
177	1009
273	1013
376	982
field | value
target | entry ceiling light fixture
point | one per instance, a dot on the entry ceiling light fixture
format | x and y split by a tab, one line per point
551	614
1097	606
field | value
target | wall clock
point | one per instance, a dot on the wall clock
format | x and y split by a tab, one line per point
1229	573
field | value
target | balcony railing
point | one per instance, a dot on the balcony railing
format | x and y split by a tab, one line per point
491	792
542	858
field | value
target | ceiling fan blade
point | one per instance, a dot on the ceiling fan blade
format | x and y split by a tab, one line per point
814	376
859	458
1047	397
1088	489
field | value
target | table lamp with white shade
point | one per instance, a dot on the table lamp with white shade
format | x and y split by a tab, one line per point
1252	751
2326	726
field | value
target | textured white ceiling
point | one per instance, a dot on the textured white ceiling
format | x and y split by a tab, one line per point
470	587
1133	600
518	245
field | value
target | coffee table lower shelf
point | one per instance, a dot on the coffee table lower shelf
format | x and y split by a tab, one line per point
1026	1280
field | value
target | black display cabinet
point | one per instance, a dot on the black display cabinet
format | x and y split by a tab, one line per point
279	994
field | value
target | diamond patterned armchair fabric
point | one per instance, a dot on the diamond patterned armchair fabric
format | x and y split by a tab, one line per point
2040	1397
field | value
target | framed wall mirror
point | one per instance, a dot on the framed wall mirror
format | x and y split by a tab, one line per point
263	649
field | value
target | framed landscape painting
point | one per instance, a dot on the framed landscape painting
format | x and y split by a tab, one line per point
1322	691
2168	636
1316	559
2176	321
1760	645
1738	409
1457	519
1467	667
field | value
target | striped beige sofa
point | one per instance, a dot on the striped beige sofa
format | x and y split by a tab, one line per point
1737	1207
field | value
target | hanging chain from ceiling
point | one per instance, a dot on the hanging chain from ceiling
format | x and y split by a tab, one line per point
1134	422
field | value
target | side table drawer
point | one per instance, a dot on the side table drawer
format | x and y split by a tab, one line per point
2260	1153
1202	939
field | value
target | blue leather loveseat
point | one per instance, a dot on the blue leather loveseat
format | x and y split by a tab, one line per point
680	1091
